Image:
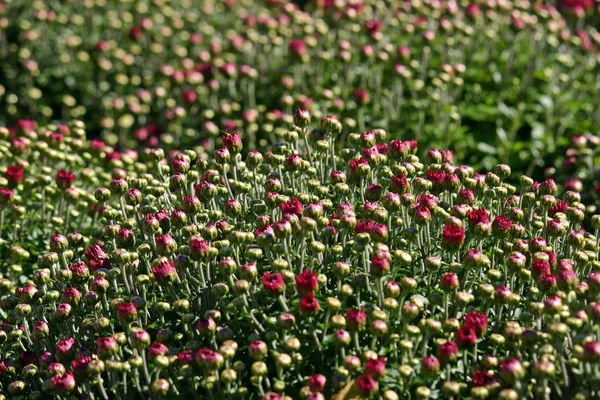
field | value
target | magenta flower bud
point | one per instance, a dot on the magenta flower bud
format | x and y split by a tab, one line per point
233	208
307	282
292	206
258	350
516	261
356	319
503	294
222	156
547	282
65	349
537	244
293	163
40	330
301	117
501	226
273	284
342	338
107	347
119	186
56	369
165	245
591	351
391	289
71	296
157	349
64	179
556	228
206	327
447	352
539	267
209	359
248	271
282	229
100	284
58	243
6	196
375	367
140	339
366	385
317	382
430	365
232	142
27	294
453	237
478	321
199	249
309	305
548	187
553	304
512	370
164	272
126	313
566	279
125	238
422	215
379	233
185	357
64	383
449	282
466	337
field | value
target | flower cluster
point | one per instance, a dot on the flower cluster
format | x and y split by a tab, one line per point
304	272
486	78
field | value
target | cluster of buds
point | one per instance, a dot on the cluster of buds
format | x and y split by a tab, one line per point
304	272
436	70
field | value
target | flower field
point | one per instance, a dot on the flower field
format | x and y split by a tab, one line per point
334	200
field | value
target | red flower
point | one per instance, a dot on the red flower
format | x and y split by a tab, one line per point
307	282
309	305
436	178
560	207
399	184
447	351
364	226
501	225
476	216
64	179
453	237
14	174
466	336
540	267
273	283
477	321
292	206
